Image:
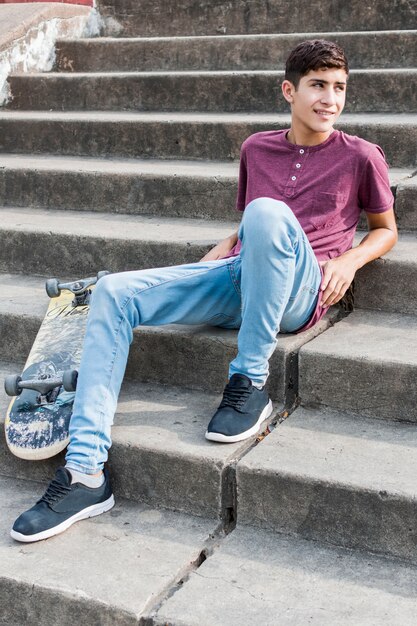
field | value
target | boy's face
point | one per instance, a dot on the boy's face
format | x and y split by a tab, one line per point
317	102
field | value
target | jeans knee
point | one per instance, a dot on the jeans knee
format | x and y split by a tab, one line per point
267	217
267	211
110	288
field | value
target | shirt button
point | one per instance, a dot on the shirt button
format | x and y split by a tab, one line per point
298	166
293	177
301	151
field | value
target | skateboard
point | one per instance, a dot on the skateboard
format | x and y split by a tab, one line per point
37	419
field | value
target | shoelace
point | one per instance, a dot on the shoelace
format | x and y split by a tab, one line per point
234	397
54	491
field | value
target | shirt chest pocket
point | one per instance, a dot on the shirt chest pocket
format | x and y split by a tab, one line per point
326	208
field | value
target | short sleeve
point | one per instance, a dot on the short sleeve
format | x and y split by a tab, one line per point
243	179
374	191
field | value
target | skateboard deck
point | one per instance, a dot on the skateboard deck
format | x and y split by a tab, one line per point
37	423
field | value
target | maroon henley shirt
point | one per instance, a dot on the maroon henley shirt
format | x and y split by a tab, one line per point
326	186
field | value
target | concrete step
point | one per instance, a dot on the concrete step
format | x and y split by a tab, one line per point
159	454
188	189
186	17
406	204
201	136
366	364
390	283
196	357
111	569
381	91
72	242
261	577
342	479
372	50
154	187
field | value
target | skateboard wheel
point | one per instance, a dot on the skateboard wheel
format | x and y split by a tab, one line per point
102	274
69	380
52	288
11	385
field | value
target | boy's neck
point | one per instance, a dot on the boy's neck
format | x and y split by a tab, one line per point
302	139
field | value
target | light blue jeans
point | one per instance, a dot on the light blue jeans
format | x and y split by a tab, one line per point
273	285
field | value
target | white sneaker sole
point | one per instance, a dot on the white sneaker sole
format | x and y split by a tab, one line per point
245	435
90	511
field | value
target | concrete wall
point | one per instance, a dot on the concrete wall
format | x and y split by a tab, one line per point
28	32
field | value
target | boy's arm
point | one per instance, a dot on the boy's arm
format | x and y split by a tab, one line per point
222	249
338	273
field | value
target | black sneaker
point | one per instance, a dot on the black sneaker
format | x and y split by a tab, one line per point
61	505
241	412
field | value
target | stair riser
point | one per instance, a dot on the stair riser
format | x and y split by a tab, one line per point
21	599
159	356
67	255
367	92
385	285
341	516
192	140
200	353
142	476
367	51
176	196
406	205
148	18
370	388
147	476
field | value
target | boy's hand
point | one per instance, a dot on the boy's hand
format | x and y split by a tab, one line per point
338	274
219	251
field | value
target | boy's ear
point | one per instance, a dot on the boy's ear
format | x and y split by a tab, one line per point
288	90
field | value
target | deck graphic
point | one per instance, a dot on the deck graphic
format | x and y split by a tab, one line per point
39	429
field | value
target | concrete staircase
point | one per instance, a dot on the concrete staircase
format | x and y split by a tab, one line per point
126	157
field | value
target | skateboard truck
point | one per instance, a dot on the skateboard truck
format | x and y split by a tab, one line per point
14	384
80	288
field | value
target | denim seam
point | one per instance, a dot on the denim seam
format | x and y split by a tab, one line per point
234	279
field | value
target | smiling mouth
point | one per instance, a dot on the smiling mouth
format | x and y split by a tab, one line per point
322	113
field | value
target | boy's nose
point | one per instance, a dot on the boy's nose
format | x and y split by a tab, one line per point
328	97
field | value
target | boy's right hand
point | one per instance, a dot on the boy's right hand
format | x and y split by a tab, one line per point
221	250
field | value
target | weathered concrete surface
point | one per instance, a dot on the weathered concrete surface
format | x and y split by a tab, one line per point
390	283
367	363
382	91
28	33
406	204
18	19
165	188
71	243
262	578
108	570
195	356
159	454
201	136
370	50
154	187
334	477
147	17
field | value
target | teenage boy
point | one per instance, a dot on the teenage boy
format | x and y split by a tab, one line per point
301	191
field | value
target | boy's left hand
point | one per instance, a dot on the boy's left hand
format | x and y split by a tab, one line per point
338	274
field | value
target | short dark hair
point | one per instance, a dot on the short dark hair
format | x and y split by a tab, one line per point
314	54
